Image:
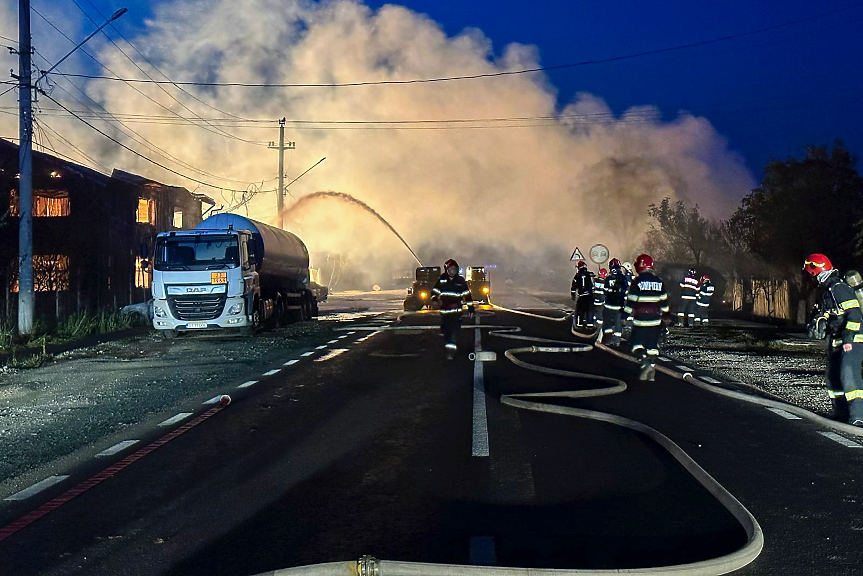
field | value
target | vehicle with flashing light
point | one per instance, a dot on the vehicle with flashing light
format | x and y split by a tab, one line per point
230	272
420	292
478	283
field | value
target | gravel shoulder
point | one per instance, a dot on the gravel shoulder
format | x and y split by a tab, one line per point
85	397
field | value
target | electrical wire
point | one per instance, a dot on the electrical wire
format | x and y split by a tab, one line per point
151	161
582	63
130	59
147	96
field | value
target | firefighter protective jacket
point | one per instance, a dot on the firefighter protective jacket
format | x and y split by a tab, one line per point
452	293
689	287
842	311
615	290
647	300
582	283
705	293
598	291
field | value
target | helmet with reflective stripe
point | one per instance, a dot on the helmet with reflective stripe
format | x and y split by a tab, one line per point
450	262
582	264
643	262
816	264
614	264
628	266
692	271
603	273
705	278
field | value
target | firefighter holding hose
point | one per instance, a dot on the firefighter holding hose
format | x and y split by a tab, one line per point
841	310
452	291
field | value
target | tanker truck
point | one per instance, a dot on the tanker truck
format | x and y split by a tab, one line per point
230	272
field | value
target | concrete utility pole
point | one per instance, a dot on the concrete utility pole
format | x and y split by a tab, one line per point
26	297
280	193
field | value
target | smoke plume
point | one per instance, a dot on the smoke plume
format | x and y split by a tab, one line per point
531	188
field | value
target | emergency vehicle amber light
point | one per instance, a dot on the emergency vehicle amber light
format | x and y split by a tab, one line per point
485	290
423	295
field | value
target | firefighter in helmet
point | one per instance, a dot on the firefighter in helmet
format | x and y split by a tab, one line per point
582	293
688	295
841	310
647	302
452	292
705	295
598	298
616	287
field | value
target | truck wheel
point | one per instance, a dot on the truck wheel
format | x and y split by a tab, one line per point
412	304
168	334
257	314
280	312
307	307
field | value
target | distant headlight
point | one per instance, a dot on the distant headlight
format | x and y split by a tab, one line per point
159	312
235	309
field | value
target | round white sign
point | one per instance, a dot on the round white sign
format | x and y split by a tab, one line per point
599	254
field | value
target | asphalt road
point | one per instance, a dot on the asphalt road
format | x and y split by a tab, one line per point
373	443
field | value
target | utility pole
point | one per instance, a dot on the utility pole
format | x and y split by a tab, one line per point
280	193
26	297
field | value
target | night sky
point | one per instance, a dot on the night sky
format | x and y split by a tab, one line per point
770	94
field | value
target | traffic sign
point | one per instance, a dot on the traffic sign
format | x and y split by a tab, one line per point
599	254
576	254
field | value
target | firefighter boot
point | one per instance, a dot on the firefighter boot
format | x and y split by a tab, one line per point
840	409
645	371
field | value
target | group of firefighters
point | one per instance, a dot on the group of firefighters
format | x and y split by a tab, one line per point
635	296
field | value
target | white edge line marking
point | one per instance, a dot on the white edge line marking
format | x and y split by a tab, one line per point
176	418
118	447
479	444
841	440
247	384
271	372
321	347
36	488
783	413
306	354
331	354
212	400
290	362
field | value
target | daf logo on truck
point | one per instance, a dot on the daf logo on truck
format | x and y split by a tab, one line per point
230	272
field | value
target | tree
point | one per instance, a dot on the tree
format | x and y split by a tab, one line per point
679	234
804	206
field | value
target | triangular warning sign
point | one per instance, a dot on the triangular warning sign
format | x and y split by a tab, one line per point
576	254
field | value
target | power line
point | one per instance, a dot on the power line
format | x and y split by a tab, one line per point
147	96
130	59
582	63
136	153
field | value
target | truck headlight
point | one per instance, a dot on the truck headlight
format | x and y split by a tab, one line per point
235	309
424	295
485	289
159	312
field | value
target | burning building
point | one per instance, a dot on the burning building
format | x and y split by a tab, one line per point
87	232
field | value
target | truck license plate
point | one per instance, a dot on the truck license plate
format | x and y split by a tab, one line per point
196	325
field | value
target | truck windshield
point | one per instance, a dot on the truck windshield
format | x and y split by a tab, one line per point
204	252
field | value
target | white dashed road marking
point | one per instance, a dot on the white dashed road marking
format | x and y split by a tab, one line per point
331	354
271	372
321	347
333	341
175	419
785	414
479	445
36	488
247	384
343	336
118	447
682	367
290	362
711	380
841	440
664	359
212	400
307	354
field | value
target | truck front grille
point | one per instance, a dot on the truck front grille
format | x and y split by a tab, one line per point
203	307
